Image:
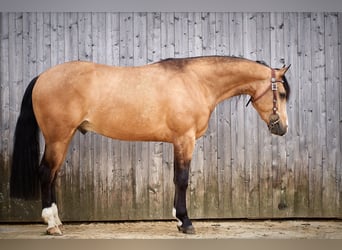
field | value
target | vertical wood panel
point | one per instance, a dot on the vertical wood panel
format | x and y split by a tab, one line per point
330	160
264	139
339	169
319	113
237	125
305	119
238	169
293	136
4	112
251	155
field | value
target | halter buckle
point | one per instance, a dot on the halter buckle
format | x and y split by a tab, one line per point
274	85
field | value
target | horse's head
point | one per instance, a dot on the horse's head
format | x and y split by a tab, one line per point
270	102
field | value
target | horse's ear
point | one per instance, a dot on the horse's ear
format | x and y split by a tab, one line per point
284	69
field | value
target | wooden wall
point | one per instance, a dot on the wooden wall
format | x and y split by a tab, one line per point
239	170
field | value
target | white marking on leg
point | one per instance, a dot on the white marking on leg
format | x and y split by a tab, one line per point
174	212
48	217
55	214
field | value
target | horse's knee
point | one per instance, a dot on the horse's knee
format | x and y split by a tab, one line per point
181	178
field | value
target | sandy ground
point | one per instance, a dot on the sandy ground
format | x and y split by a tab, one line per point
268	229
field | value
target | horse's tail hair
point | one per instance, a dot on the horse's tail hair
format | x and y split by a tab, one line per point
24	182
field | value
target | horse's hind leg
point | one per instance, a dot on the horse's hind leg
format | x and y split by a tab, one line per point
52	160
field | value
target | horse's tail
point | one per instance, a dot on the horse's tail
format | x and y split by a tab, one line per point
24	181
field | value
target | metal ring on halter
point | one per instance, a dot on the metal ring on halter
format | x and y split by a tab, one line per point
274	120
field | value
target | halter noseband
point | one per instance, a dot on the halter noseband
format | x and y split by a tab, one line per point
274	117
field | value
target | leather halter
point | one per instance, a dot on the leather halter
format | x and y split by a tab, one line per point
274	89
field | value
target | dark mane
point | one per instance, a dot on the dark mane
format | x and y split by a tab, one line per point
174	63
262	62
180	63
287	88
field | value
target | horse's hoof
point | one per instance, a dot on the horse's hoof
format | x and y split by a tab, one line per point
54	231
186	230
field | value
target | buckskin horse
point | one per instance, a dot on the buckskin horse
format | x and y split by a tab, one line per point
169	101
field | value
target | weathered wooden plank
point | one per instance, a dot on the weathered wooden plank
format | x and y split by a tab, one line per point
339	168
318	113
237	126
333	138
43	41
251	125
140	38
4	111
301	204
181	35
292	142
264	138
16	27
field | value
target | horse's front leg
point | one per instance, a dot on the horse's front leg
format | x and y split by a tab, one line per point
182	159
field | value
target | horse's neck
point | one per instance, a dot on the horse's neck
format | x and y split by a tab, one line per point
225	80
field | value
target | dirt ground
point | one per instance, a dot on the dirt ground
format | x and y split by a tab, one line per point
249	229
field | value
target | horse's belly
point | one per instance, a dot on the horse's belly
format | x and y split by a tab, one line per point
136	128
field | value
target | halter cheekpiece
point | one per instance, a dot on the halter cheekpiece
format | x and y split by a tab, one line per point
274	89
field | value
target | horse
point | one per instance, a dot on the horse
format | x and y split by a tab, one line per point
169	101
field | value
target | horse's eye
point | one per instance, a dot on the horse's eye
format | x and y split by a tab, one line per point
282	95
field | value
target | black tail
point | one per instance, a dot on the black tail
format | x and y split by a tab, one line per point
24	181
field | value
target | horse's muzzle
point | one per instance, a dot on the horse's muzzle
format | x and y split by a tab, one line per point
275	125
